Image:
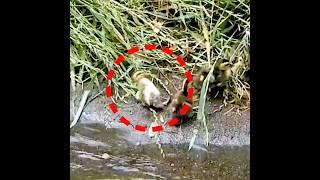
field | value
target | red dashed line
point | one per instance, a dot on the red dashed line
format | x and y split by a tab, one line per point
184	109
180	61
124	120
113	107
167	51
157	128
119	59
108	91
110	74
190	93
173	121
150	46
189	76
140	128
133	50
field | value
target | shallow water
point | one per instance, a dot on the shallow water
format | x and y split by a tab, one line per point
124	159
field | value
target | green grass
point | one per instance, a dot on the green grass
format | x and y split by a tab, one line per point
206	30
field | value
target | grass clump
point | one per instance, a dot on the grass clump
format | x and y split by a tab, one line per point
205	31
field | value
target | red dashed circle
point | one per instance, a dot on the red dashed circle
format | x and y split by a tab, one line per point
185	108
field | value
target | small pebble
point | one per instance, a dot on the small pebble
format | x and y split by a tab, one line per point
171	164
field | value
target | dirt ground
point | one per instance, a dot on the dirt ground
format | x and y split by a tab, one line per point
225	127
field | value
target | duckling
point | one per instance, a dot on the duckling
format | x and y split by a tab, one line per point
223	74
148	94
178	101
200	76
